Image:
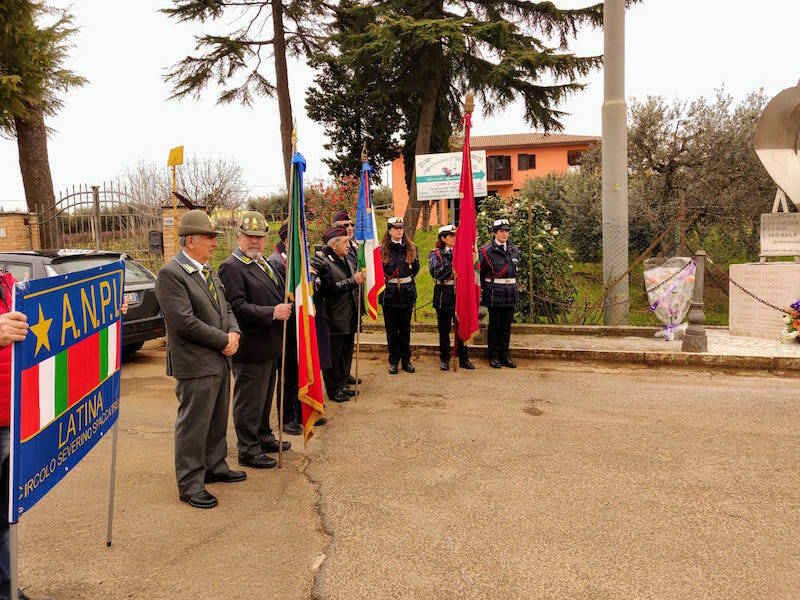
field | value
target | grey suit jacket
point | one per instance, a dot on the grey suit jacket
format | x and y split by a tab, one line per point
197	329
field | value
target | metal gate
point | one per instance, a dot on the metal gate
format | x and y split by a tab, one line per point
104	217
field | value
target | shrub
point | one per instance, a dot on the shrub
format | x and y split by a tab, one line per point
543	253
323	201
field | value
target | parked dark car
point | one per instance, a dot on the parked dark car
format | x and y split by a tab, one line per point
144	320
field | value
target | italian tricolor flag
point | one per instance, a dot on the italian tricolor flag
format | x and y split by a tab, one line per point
298	281
52	386
369	247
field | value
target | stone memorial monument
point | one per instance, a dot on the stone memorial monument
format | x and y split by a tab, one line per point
772	283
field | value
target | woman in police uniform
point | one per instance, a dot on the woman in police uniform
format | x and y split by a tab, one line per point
440	264
400	266
499	291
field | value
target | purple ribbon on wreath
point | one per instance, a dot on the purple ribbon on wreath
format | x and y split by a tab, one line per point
669	328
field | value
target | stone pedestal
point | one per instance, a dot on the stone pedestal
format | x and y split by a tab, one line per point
776	283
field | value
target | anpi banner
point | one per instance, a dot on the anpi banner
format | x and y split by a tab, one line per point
66	377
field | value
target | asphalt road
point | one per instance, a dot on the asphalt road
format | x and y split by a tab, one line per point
556	480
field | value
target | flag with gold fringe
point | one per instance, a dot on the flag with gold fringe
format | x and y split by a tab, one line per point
298	280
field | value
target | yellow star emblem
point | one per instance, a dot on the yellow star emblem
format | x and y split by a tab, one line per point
40	330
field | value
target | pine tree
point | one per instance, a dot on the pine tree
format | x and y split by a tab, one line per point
32	80
235	61
430	52
352	108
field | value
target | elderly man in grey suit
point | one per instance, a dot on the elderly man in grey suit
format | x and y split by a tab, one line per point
202	335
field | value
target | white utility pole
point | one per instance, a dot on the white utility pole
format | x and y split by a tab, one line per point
615	164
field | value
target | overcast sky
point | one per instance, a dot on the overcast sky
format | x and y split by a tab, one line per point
675	48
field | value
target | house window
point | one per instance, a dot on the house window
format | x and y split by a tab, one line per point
574	157
526	162
498	167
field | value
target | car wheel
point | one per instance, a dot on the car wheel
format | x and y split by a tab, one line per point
131	348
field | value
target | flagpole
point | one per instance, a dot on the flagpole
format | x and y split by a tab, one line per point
358	337
289	237
359	306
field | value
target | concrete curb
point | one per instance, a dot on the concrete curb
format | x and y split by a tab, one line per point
530	328
647	358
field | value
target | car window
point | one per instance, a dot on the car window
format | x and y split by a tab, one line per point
20	271
79	263
135	273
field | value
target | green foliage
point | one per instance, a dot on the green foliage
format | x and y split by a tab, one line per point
273	207
237	60
702	151
323	201
543	254
32	56
412	61
382	196
352	110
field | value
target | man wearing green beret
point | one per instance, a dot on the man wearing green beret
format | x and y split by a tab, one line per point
256	293
202	336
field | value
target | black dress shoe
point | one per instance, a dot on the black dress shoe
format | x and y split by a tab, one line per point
445	365
393	369
494	363
272	446
320	422
408	367
257	461
228	476
350	392
202	499
465	364
340	396
292	428
507	362
352	380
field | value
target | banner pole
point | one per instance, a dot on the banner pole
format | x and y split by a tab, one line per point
358	337
113	480
12	542
289	239
281	387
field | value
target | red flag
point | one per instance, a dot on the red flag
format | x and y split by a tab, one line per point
467	283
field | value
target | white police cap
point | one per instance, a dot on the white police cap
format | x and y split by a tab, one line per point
501	224
395	221
446	229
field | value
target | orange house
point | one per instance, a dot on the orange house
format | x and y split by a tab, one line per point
510	160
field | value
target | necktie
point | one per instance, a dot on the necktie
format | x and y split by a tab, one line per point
210	283
267	269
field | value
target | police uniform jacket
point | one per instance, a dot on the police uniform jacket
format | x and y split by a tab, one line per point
399	295
440	264
498	266
336	287
253	296
197	326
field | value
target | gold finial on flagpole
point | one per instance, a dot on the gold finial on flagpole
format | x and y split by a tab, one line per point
364	155
469	104
294	136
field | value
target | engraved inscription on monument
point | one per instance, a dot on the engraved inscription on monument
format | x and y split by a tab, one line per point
780	234
777	283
